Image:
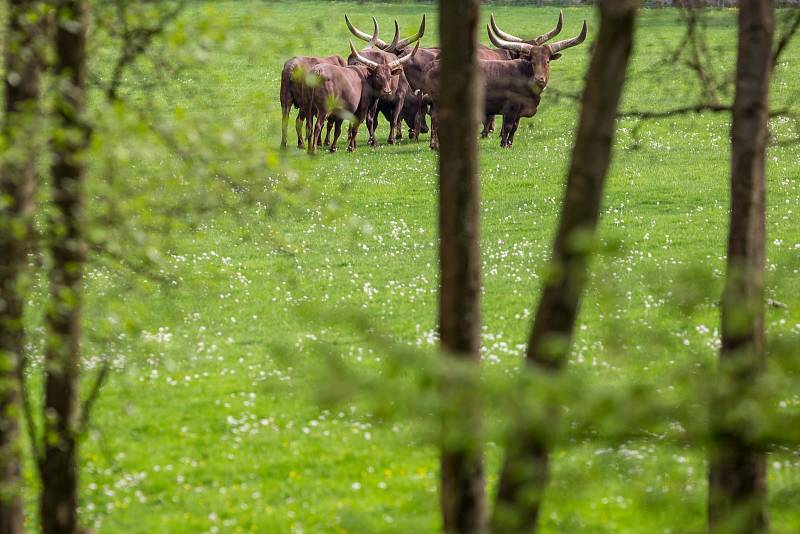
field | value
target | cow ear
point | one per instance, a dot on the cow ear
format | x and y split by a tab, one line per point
555	57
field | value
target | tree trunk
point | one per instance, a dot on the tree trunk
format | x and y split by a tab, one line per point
525	470
737	472
462	472
59	467
17	185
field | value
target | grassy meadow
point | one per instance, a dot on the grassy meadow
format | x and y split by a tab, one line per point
210	421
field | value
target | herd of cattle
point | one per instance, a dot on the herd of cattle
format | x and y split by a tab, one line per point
401	83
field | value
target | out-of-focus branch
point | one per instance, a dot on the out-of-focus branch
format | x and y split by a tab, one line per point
91	399
135	42
786	37
699	108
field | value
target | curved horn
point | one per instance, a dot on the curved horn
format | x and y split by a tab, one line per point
508	45
552	33
361	59
397	62
393	45
500	33
363	35
414	38
568	43
374	39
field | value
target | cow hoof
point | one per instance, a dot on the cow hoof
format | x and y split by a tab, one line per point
390	141
333	149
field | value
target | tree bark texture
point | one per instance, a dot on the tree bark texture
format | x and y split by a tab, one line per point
17	188
525	471
737	463
59	497
462	472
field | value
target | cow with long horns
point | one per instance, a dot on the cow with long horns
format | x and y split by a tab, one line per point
512	88
346	93
502	54
414	70
393	106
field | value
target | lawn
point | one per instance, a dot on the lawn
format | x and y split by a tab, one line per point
210	421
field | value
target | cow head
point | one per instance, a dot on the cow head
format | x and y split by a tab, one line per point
383	78
539	55
397	44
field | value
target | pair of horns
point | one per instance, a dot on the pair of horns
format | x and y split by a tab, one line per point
502	39
396	43
537	41
371	64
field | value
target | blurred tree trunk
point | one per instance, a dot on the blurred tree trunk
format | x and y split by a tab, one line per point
462	471
737	473
59	498
525	470
17	188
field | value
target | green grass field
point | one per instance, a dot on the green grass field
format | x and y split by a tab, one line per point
210	422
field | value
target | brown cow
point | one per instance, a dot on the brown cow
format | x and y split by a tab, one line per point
414	70
501	54
293	78
396	102
512	88
345	93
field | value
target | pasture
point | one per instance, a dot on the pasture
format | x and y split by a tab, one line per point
210	421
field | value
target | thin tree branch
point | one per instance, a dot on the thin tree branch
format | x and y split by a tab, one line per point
91	399
136	41
784	40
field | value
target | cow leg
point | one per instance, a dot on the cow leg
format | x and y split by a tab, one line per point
505	131
434	130
351	145
413	133
336	133
487	128
317	134
513	131
311	139
372	123
394	121
284	125
310	125
298	126
328	132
